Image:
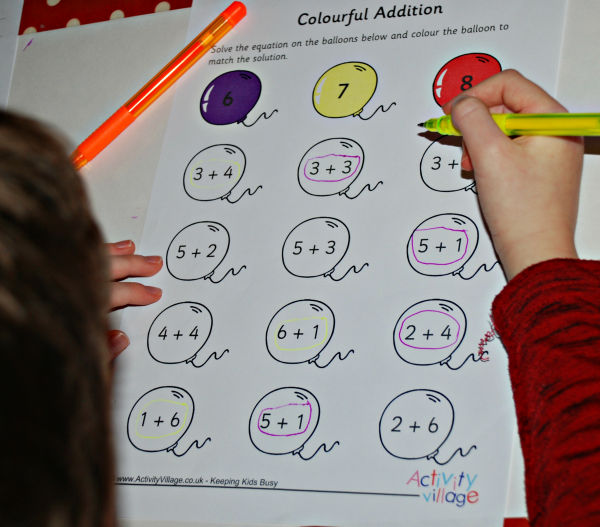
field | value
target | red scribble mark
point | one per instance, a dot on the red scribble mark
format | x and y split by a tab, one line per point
488	337
28	44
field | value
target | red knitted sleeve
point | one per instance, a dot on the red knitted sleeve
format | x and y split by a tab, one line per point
548	318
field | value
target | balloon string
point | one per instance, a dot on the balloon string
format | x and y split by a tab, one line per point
264	114
248	191
472	188
323	446
380	107
353	268
366	187
212	355
338	355
231	271
194	444
457	451
482	266
470	356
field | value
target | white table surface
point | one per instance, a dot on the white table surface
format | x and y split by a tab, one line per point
73	78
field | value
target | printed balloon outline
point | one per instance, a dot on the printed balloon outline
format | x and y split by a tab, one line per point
442	321
429	332
344	89
458	237
345	159
442	245
229	97
314	324
330	239
173	408
440	175
214	172
415	425
272	436
179	333
197	250
461	73
318	181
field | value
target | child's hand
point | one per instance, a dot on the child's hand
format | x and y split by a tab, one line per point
123	264
528	187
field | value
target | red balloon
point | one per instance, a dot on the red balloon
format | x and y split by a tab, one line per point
461	73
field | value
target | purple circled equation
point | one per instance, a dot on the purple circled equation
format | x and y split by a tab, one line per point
462	231
433	347
331	180
300	432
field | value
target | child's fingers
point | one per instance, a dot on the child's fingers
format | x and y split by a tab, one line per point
465	162
480	132
122	266
513	91
119	248
117	342
133	294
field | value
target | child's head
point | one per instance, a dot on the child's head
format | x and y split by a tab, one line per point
56	454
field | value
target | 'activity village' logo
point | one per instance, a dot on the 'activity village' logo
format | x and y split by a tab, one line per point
442	487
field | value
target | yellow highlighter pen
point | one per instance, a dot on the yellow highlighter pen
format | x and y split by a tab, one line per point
578	124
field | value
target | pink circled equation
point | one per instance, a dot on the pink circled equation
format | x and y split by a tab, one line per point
328	180
262	417
461	232
450	344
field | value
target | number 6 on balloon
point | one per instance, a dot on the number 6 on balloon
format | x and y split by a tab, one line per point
229	98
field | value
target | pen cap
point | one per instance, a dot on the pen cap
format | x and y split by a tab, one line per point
186	58
234	13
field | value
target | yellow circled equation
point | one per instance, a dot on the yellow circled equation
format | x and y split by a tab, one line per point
194	181
172	432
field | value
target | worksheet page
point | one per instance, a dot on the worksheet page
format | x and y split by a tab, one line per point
323	352
10	16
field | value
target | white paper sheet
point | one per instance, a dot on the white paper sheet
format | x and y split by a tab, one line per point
328	277
10	17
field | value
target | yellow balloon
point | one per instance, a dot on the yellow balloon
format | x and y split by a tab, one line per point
344	89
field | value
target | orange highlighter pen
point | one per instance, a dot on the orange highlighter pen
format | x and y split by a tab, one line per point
124	116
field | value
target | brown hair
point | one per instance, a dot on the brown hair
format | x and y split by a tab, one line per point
55	441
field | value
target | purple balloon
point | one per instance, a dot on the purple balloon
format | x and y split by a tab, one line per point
229	97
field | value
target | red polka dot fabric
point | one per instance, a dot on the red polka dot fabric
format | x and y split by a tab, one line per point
43	15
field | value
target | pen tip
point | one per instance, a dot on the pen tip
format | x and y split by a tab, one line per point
78	159
422	125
